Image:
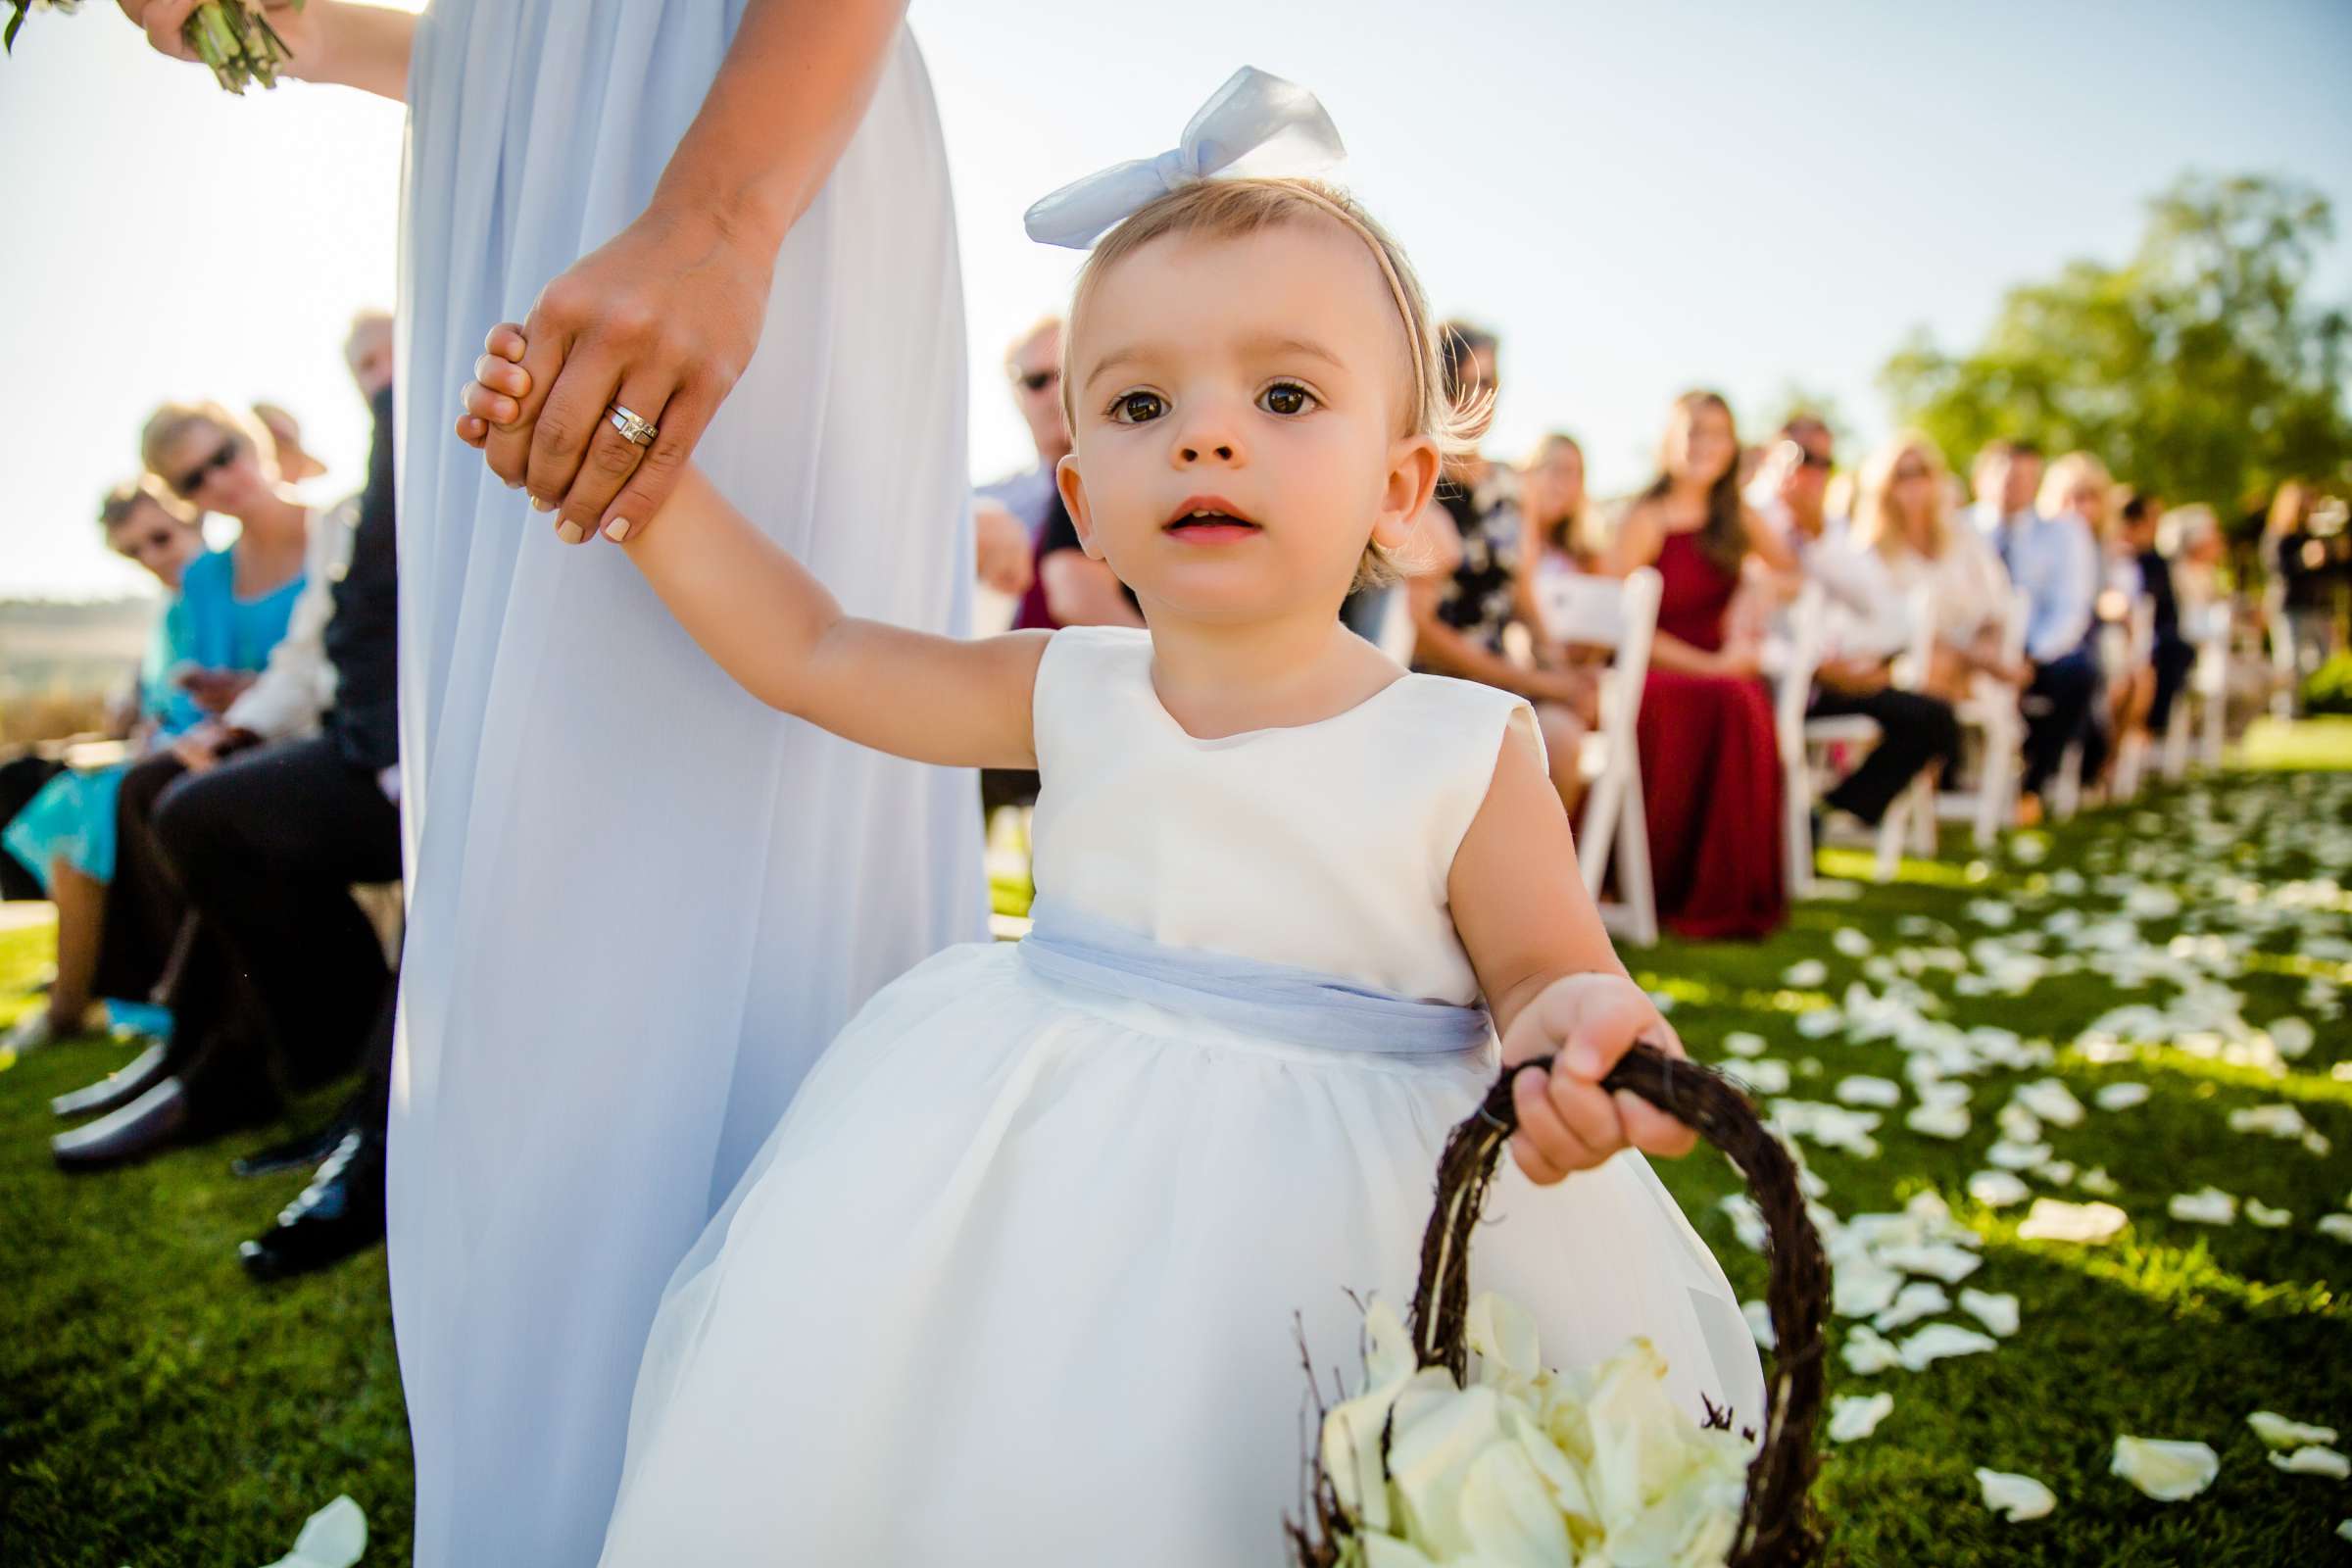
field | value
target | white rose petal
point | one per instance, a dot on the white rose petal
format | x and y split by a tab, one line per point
2052	1101
1917	1300
1997	1189
2317	1143
2052	1219
1939	1121
2269	1219
1759	1322
2120	1097
2016	1157
1764	1077
1938	1341
2056	1172
1863	1288
1820	1025
1861	1090
1740	1042
2314	1461
1855	1416
2292	1036
2208	1205
335	1537
2278	1432
1997	1313
2168	1471
2338	1226
2098	1184
2276	1120
2345	1529
1806	973
2018	1125
1942	1260
1867	1351
2015	1497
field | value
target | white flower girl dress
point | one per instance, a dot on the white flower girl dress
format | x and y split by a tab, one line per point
1018	1277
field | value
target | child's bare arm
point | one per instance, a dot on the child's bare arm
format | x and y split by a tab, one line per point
1551	978
775	629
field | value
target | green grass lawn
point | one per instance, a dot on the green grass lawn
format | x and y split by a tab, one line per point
156	1408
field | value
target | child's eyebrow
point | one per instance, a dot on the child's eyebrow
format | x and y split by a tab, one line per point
1137	354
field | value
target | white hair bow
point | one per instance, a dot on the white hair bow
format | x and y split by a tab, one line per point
1255	124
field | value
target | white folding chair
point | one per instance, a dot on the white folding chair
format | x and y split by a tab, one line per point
1621	616
2138	643
1910	817
1991	714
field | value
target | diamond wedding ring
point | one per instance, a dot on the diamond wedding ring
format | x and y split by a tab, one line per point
632	428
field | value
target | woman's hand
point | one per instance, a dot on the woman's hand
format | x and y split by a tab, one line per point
1568	1122
660	320
1004	548
303	30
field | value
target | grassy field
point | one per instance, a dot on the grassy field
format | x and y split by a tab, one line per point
157	1408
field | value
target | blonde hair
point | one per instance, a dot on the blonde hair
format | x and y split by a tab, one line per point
167	423
1582	534
2187	527
1875	526
1233	209
2064	477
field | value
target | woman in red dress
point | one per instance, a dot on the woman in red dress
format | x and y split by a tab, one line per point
1710	764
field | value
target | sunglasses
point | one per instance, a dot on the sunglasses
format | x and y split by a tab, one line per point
141	549
188	483
1036	380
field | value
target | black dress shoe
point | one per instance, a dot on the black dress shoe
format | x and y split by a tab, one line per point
340	1214
149	1124
294	1154
120	1088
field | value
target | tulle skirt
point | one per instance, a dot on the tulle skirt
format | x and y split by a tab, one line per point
1023	1274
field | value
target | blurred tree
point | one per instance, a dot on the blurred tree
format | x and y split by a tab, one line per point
2199	368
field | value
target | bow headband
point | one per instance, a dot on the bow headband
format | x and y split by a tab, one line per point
1255	125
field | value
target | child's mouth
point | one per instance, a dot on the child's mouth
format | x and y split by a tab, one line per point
1208	519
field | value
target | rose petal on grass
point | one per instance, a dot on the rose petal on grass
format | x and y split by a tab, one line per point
335	1537
1939	1340
2208	1205
2010	1155
2097	1183
2338	1226
1740	1042
1996	1311
1759	1322
1863	1090
1867	1351
2278	1432
2052	1101
1853	1416
2314	1460
2120	1097
2263	1214
2277	1119
2293	1037
2053	1219
1997	1189
2168	1470
1939	1121
2013	1497
1805	973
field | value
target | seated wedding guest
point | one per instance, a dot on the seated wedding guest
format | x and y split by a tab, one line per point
1566	531
2075	506
63	834
2198	551
2139	526
1067	586
295	462
2302	582
1904	516
2052	557
264	848
1459	617
1711	758
1902	497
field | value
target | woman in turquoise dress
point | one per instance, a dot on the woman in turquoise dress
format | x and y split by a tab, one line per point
230	609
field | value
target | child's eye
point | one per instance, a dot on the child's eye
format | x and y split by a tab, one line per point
1137	408
1286	397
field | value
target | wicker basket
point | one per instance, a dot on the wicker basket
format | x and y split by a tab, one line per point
1777	1526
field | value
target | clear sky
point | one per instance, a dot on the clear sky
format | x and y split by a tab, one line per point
1641	197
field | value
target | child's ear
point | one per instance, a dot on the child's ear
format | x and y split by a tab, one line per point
1413	467
1072	486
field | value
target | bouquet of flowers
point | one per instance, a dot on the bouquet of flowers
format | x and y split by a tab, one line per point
232	36
1441	1460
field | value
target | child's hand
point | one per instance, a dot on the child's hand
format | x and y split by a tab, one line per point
494	397
1567	1122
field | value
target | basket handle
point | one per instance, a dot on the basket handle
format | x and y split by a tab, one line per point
1775	1529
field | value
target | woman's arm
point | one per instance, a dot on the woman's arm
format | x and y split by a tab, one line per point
775	629
351	45
1551	979
1443	648
664	317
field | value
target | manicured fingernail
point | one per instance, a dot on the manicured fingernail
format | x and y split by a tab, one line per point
570	532
618	529
513	484
542	503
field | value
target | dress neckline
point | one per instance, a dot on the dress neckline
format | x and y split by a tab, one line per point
1219	742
